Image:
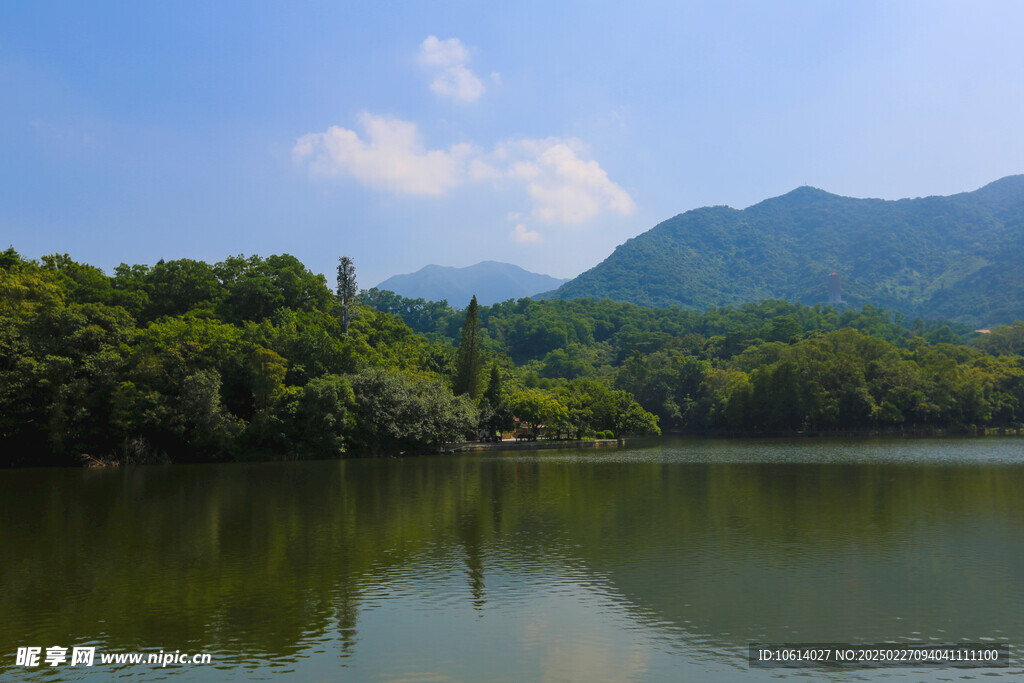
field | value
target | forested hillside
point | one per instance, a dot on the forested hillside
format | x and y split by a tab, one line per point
956	257
568	338
259	358
765	367
246	358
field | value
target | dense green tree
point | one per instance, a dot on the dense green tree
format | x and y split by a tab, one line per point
323	416
578	399
9	258
24	289
396	412
495	392
424	317
207	427
495	410
177	287
83	283
539	409
1003	340
249	358
469	360
256	288
61	367
635	420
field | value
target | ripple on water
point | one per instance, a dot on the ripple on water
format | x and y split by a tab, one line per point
637	564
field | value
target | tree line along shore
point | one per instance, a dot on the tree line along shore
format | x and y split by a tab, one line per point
254	358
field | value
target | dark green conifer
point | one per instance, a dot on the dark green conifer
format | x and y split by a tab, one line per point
468	363
493	392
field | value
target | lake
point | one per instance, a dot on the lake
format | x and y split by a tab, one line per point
661	560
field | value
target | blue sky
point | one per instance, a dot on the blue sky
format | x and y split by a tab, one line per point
541	134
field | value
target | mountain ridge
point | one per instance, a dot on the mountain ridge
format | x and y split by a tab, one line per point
489	281
953	257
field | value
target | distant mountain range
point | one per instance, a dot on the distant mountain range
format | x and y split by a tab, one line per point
959	257
490	281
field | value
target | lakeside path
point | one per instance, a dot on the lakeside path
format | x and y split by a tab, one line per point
466	446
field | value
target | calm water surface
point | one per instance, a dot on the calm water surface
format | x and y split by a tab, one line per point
653	562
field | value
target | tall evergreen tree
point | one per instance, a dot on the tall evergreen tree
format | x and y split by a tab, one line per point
493	394
495	409
347	290
468	363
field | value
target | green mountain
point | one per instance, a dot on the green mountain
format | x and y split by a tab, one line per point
489	281
958	258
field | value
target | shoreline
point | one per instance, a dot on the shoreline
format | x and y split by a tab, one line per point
857	433
90	462
510	445
937	432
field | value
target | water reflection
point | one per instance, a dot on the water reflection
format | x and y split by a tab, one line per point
645	563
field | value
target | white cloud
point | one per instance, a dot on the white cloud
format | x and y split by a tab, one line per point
480	170
561	183
390	158
564	187
443	53
459	83
448	60
523	236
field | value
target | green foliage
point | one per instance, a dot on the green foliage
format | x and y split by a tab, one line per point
206	426
537	408
178	287
771	366
420	315
9	259
396	412
236	289
324	415
496	414
248	358
584	338
268	371
580	407
83	283
469	360
255	288
635	420
1005	340
347	290
59	368
25	288
952	257
241	359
